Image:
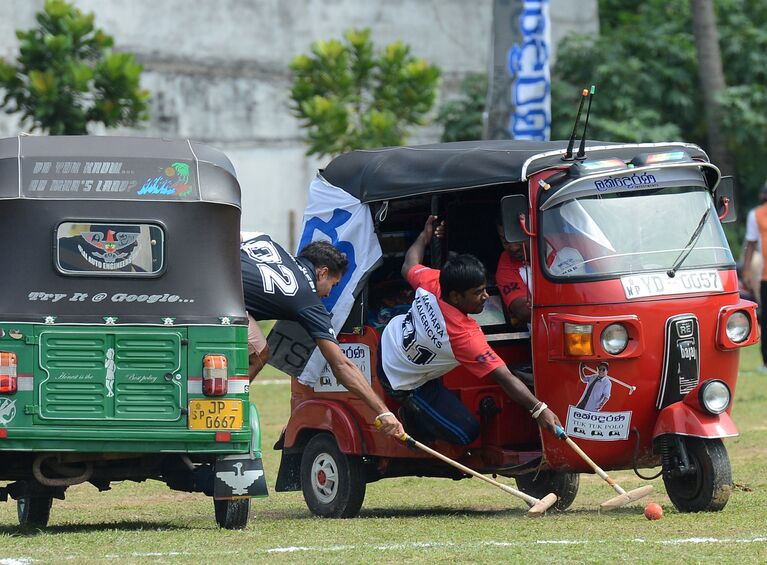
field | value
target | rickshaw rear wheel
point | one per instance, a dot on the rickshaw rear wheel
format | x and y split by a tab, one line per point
34	511
564	485
232	514
708	488
333	483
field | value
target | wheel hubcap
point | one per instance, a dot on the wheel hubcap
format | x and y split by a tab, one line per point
324	478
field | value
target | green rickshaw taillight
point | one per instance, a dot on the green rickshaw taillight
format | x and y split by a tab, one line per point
8	380
215	377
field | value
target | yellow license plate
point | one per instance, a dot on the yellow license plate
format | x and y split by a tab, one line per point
215	414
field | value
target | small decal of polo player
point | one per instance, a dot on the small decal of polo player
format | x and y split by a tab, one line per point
109	365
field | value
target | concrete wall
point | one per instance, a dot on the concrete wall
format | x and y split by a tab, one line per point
218	72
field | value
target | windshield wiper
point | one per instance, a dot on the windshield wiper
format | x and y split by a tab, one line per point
690	244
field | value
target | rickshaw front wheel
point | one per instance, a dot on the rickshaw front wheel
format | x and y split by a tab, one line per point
34	511
333	483
564	485
708	487
232	514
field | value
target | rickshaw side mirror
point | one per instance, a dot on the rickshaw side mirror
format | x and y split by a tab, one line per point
724	200
511	207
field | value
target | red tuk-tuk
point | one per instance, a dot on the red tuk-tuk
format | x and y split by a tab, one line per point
653	293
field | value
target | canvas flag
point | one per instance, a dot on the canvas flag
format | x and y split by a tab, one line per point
336	216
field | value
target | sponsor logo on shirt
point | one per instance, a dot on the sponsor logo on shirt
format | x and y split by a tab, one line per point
486	357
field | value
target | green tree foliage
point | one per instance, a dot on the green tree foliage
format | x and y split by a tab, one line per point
644	65
66	75
348	97
462	118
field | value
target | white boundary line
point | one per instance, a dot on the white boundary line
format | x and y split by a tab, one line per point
414	545
427	544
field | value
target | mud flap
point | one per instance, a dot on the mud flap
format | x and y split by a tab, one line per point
239	476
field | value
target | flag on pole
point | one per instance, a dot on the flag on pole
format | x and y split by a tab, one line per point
335	216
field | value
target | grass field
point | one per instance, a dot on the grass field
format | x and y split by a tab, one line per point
409	519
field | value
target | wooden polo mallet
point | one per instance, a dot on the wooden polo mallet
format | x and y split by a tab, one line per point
537	506
623	497
631	388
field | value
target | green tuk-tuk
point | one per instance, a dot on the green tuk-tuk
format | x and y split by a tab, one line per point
123	333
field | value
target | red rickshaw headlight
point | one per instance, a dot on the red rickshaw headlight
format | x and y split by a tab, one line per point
615	338
714	396
578	339
738	326
215	377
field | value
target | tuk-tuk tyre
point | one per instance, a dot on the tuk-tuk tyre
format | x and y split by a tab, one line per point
34	511
232	514
563	484
349	469
712	482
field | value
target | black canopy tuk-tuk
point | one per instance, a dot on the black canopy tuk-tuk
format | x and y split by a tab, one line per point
123	334
647	303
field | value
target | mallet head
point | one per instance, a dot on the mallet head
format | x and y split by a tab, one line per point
623	499
542	505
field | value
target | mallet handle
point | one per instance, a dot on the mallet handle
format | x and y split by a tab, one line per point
631	388
531	500
598	470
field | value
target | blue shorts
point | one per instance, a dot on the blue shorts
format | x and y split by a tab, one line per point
432	411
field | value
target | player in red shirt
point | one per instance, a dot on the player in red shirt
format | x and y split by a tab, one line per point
513	279
437	335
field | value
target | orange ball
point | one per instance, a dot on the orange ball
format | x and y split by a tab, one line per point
653	511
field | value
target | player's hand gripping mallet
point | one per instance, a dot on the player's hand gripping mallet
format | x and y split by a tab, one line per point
537	506
623	496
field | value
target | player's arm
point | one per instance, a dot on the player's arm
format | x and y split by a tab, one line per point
514	293
520	308
415	253
349	375
520	394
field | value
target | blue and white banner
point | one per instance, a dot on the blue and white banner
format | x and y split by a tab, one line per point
519	96
336	216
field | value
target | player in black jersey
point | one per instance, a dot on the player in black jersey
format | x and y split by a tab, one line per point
278	286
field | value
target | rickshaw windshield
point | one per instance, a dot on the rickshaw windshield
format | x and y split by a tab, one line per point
624	233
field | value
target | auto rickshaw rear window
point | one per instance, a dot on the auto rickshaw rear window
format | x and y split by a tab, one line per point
109	249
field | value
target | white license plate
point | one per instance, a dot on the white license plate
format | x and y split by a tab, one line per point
357	353
660	284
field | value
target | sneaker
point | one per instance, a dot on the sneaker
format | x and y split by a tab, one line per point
762	369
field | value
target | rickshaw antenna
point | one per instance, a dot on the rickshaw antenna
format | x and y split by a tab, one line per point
582	149
569	153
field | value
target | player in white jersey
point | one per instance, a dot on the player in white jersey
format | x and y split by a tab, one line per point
437	335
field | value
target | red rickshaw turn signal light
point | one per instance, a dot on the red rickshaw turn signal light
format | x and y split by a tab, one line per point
215	377
578	339
8	379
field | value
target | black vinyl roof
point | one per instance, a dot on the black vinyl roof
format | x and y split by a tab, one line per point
115	168
394	172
